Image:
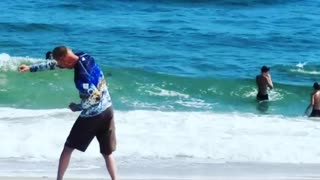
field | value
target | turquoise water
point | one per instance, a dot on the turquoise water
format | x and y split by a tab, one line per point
166	55
134	88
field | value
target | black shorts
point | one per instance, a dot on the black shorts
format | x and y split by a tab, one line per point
86	128
262	97
315	113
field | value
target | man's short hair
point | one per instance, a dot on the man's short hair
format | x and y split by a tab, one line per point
48	55
316	86
265	69
59	52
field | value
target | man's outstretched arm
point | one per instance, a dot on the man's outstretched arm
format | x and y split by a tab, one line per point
49	65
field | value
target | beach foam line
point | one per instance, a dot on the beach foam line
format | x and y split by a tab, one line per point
224	137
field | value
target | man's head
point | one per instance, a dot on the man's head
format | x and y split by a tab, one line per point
316	86
59	52
265	69
64	57
49	55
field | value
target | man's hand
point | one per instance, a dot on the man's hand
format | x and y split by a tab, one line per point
269	81
267	75
23	68
74	107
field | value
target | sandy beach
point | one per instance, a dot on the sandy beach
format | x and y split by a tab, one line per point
195	178
195	171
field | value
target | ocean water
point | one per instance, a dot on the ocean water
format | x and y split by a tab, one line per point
181	75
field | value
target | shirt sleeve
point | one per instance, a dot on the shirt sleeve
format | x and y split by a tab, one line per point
49	65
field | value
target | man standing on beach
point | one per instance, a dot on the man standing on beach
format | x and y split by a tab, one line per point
96	118
263	81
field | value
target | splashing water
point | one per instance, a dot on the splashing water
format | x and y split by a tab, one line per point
11	63
301	65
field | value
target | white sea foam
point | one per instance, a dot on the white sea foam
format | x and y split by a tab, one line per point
301	65
274	94
163	92
300	69
195	103
11	63
37	135
252	92
304	71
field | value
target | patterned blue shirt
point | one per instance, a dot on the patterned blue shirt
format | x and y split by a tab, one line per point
90	82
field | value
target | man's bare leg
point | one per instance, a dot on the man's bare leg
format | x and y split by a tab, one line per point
111	166
64	161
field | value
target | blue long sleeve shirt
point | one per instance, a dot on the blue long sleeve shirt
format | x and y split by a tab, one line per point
90	82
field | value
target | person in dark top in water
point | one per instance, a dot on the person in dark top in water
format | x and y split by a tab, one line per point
263	82
315	102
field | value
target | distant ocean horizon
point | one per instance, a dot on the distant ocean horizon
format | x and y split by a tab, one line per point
181	75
